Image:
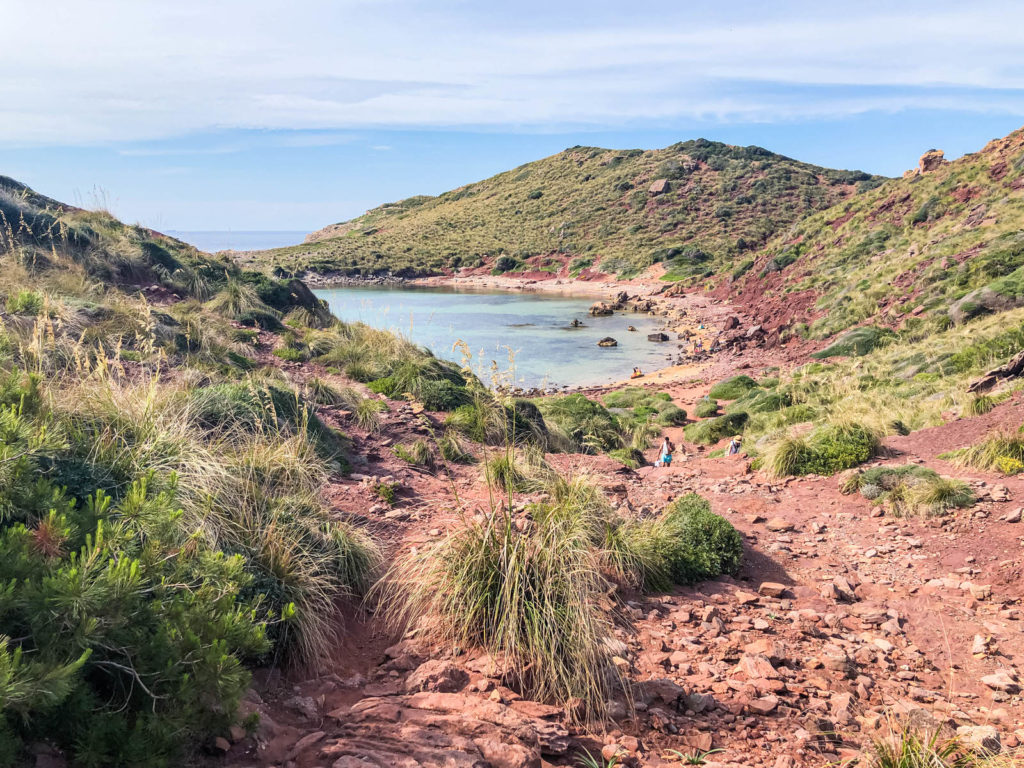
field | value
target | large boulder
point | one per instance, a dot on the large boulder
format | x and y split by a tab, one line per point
599	308
659	187
607	341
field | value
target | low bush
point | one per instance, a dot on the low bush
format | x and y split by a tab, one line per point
829	449
1000	451
443	395
418	453
732	389
451	448
671	416
910	489
706	408
386	386
589	426
687	543
710	431
979	405
25	302
512	473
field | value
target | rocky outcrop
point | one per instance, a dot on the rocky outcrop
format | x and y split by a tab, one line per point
930	160
440	730
601	308
1010	370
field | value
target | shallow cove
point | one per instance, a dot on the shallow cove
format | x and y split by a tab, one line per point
537	328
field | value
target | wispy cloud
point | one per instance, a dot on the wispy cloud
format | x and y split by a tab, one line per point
120	70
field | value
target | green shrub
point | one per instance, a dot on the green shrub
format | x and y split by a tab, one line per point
25	302
261	408
910	489
758	400
979	405
386	386
829	449
442	395
631	397
999	451
507	473
706	407
671	416
386	492
710	431
589	425
689	544
732	389
362	372
290	354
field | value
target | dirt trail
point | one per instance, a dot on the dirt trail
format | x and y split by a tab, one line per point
838	619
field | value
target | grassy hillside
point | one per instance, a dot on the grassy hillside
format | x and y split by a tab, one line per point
601	207
161	524
930	248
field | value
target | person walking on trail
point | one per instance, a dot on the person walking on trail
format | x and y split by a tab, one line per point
665	453
734	445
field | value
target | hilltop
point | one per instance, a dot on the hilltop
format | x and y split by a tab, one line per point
938	246
701	203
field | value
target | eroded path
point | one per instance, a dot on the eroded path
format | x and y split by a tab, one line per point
839	620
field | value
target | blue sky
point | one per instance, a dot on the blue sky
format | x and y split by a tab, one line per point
217	114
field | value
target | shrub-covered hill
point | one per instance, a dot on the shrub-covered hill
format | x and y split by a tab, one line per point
698	203
48	235
942	244
161	523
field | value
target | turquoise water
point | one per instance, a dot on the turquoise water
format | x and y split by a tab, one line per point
535	329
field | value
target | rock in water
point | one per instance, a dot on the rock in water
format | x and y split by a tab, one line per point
659	336
607	341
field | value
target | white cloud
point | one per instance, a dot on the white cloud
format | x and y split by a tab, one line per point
136	70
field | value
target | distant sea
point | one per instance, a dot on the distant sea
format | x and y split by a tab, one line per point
230	240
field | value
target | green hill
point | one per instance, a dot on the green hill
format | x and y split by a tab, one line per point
940	245
700	204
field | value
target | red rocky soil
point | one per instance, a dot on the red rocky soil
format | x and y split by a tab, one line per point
841	623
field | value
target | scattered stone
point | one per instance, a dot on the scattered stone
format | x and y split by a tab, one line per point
437	675
980	738
779	525
764	705
772	589
1001	681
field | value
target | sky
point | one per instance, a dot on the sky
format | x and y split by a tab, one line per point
266	115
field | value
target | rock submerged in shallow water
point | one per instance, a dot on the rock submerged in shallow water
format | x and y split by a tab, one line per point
659	336
607	341
601	308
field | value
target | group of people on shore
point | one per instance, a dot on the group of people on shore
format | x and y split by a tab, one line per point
668	448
